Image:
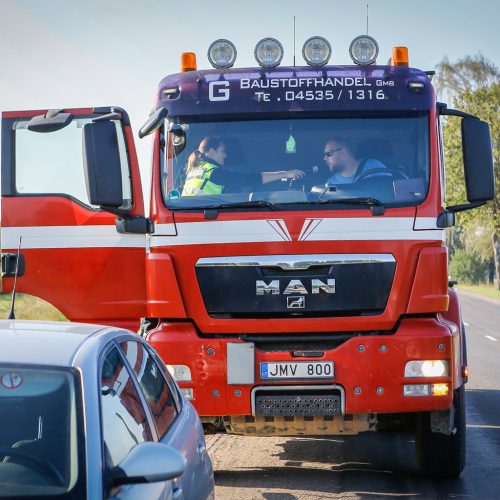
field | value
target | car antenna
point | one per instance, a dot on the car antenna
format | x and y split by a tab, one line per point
13	301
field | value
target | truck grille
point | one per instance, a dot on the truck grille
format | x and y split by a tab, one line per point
297	405
282	286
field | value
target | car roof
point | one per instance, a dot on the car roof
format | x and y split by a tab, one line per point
46	342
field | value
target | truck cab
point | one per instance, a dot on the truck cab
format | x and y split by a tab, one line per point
286	299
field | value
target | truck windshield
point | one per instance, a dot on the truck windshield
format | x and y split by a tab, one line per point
267	163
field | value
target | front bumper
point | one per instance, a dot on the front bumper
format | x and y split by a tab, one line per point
369	369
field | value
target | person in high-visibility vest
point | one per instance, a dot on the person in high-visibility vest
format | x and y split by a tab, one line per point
206	173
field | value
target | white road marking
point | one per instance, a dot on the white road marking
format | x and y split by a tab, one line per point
483	426
491	338
466	324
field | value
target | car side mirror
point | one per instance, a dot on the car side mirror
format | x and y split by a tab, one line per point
101	162
478	160
148	463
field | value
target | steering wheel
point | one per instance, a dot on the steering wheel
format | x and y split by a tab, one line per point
33	462
380	170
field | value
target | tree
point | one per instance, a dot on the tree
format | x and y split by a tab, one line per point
474	86
466	75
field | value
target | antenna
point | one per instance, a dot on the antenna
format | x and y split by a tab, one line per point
294	40
367	19
13	301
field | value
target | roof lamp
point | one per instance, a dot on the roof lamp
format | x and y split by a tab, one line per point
400	56
363	50
222	54
269	52
317	51
188	61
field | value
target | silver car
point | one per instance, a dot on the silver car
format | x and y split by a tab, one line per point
91	412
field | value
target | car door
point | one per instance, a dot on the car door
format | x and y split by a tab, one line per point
176	420
71	254
124	424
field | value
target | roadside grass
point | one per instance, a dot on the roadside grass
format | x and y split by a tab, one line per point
484	290
29	307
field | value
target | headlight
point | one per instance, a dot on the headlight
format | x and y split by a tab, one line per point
426	390
222	54
363	50
269	52
427	368
317	51
181	373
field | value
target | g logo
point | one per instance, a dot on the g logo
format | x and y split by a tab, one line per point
218	91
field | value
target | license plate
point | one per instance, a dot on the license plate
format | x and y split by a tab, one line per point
297	370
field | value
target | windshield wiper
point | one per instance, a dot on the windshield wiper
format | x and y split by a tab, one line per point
377	207
210	211
245	204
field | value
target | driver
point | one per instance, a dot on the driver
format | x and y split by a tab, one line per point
206	173
344	165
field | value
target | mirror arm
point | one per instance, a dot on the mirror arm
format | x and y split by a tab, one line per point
466	206
108	117
153	122
115	211
126	223
447	217
443	110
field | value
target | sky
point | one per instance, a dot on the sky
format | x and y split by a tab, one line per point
85	53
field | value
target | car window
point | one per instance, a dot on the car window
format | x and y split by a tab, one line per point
41	432
58	156
124	422
170	381
156	391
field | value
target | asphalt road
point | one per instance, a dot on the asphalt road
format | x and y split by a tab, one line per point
373	465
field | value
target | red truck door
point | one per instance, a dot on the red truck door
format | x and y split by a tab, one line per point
71	252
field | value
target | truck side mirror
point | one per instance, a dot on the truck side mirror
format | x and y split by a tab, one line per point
478	160
101	163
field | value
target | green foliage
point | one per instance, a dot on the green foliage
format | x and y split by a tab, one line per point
483	103
473	85
466	75
468	267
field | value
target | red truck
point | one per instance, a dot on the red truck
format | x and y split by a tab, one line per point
287	298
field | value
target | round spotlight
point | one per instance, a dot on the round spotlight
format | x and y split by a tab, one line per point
363	50
222	54
269	52
317	51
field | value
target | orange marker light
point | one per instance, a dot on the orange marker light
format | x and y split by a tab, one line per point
400	56
188	61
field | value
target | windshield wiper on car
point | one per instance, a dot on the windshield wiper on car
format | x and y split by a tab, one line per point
210	211
377	207
246	204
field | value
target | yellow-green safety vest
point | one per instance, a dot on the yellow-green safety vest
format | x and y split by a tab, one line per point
198	180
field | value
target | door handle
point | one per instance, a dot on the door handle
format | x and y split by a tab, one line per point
9	265
177	491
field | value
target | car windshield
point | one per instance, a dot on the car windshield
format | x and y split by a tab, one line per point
40	428
306	161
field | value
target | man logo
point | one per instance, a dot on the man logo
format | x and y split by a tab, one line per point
295	287
295	302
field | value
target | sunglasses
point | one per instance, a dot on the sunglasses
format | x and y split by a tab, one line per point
332	152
